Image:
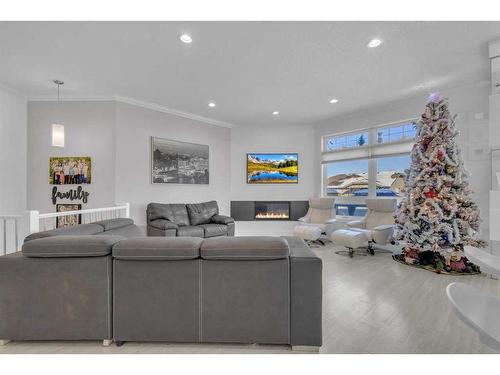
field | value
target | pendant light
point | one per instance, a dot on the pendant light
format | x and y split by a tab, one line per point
58	129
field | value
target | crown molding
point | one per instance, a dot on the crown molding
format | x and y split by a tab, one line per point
13	91
135	102
175	112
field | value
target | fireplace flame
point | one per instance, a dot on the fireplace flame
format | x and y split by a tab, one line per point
271	215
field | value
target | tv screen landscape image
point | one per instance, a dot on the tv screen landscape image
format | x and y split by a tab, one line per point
273	168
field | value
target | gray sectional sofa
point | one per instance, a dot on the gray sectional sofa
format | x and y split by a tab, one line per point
101	286
188	220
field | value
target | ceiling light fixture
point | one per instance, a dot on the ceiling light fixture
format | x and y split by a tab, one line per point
276	113
333	101
57	129
211	104
374	43
186	38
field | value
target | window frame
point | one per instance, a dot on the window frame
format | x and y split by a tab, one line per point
360	132
389	126
373	149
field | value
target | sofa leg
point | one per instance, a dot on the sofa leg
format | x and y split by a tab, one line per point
106	342
4	342
304	348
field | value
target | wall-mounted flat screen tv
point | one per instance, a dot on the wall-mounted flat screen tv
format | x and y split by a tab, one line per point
273	168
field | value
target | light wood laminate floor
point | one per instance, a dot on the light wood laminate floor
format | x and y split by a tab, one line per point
371	304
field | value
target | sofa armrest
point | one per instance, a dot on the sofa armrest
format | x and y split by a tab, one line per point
222	219
163	224
356	224
305	294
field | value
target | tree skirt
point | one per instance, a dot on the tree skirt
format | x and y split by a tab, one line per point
474	270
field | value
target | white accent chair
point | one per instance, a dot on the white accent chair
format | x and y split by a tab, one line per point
321	212
377	225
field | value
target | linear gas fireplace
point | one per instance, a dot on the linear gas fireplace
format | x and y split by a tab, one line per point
272	210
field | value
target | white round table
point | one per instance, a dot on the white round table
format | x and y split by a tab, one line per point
478	310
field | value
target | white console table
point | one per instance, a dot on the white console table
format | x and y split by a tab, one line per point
478	310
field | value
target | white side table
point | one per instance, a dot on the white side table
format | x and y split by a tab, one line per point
480	311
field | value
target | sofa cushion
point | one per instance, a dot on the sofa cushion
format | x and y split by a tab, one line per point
158	248
201	213
214	230
244	248
221	219
114	223
128	231
176	213
163	224
190	231
77	230
70	246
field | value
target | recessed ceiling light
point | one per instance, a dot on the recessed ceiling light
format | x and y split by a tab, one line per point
211	104
333	101
374	43
186	38
276	113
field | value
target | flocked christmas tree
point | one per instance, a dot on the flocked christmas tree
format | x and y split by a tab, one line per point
437	215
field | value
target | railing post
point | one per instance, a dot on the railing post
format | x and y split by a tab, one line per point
127	210
33	221
16	233
4	236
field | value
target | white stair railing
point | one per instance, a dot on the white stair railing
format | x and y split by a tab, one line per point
10	233
13	228
42	222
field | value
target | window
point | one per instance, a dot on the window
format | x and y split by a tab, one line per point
391	175
347	178
396	133
371	162
341	142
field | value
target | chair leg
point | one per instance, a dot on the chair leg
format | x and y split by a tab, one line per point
350	252
370	249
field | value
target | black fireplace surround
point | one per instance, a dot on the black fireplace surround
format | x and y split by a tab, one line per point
268	210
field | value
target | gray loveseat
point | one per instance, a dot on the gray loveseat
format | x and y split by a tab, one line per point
188	220
103	287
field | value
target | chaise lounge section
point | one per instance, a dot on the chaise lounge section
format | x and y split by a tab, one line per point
58	288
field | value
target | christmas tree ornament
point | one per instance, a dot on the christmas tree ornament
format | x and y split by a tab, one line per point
437	213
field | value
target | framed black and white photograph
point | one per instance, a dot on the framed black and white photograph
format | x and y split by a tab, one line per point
174	162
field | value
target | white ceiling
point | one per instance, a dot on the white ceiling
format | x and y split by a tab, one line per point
249	69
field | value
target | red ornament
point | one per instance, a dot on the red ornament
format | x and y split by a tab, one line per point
440	153
431	193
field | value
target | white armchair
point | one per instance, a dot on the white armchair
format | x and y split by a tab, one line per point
321	212
378	224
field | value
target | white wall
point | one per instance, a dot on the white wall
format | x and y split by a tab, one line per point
89	131
272	139
469	103
134	127
13	110
117	138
